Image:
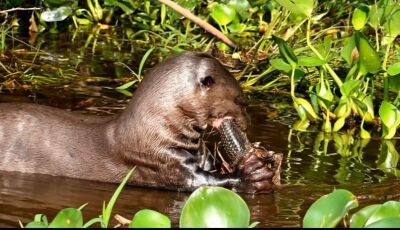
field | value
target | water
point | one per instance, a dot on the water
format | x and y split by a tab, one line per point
314	163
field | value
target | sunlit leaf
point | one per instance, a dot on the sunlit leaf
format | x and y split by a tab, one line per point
187	4
223	14
67	218
304	7
310	61
393	24
390	222
388	114
394	82
350	86
281	65
387	210
150	219
339	124
57	14
214	207
328	210
302	105
359	219
368	58
394	69
360	16
301	125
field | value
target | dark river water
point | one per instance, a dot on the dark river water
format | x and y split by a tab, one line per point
314	163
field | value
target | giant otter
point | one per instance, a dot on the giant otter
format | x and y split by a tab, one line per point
160	132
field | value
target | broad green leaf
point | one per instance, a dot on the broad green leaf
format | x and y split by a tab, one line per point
349	87
223	14
150	219
339	124
393	24
281	65
302	105
36	225
369	60
388	114
348	50
343	108
327	126
304	7
364	134
57	14
328	210
301	125
310	61
365	107
360	16
387	210
214	207
375	15
67	218
394	69
242	7
236	27
391	222
286	51
359	219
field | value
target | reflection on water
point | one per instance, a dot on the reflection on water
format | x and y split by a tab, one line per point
315	164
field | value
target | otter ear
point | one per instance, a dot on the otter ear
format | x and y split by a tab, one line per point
207	81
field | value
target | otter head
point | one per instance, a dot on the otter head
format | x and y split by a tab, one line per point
211	94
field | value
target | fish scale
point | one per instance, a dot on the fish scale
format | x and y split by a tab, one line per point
234	140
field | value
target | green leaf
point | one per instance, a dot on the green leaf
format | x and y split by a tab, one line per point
150	219
301	125
389	114
369	60
281	65
143	60
360	16
339	124
394	69
391	222
387	210
126	85
359	219
348	50
214	207
223	14
301	104
36	225
310	61
187	4
286	51
393	24
68	218
242	7
349	87
304	7
328	210
57	14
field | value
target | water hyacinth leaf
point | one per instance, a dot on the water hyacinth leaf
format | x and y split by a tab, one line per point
304	7
36	225
339	124
393	24
386	210
364	134
223	14
369	60
328	210
150	219
241	7
301	125
281	65
391	222
68	218
236	27
350	86
57	14
375	14
327	126
359	219
394	69
389	114
310	61
286	51
302	105
215	207
360	16
347	51
365	107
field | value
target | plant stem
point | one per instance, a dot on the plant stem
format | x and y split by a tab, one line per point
385	78
292	83
330	70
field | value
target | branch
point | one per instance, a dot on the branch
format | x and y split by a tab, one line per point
186	13
18	9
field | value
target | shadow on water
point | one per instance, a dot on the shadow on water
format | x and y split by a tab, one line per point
314	163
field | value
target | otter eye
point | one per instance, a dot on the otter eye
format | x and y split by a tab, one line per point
207	81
